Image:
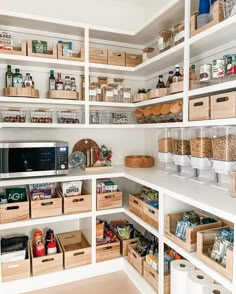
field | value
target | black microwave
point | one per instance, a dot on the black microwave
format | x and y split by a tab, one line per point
33	159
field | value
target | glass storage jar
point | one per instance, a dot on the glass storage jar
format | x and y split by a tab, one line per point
179	33
119	81
181	141
165	144
224	143
92	92
108	94
126	95
115	92
201	142
98	92
164	40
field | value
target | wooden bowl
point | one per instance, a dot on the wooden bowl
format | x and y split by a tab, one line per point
139	161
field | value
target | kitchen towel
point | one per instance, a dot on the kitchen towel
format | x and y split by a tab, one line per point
215	289
178	276
197	280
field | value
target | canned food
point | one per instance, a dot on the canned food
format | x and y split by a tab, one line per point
205	72
218	69
230	61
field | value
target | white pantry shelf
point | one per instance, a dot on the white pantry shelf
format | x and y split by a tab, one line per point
192	257
159	100
109	211
111	104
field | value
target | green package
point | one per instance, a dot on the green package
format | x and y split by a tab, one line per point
66	48
39	47
16	195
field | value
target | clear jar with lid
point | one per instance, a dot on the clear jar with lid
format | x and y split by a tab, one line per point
201	142
164	40
224	143
115	92
92	92
181	141
119	81
165	143
179	33
98	92
108	94
126	95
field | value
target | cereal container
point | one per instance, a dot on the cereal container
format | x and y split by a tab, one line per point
181	141
165	146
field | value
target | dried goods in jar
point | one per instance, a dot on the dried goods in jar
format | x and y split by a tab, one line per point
181	147
224	148
201	147
165	145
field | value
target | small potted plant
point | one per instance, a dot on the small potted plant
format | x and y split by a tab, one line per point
103	156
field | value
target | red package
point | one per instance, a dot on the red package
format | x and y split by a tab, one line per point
110	236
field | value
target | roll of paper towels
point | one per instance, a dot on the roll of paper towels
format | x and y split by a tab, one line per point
215	289
179	272
197	280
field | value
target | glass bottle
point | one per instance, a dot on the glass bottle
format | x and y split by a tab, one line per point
67	86
17	79
170	79
73	85
59	82
177	77
28	81
160	83
9	77
52	81
192	73
32	81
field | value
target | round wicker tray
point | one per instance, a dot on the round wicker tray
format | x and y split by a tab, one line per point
139	161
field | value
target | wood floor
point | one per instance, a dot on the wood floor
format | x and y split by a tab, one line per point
115	283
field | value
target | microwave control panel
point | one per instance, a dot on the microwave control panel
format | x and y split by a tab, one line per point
62	158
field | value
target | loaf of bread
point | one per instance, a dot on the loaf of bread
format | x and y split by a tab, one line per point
165	109
176	107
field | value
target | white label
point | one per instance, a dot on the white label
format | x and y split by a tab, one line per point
127	95
109	93
161	44
92	92
115	92
179	36
59	86
99	91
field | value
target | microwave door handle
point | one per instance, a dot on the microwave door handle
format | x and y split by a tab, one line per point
5	160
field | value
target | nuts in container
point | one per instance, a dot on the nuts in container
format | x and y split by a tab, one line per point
41	116
224	143
165	143
181	142
14	115
201	143
69	117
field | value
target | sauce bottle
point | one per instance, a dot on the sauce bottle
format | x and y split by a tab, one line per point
160	83
52	81
59	82
177	77
170	79
9	77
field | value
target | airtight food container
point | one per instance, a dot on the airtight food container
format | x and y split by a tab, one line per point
201	142
181	141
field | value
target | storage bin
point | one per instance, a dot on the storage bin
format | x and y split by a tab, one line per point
199	109
156	93
108	251
41	116
50	53
109	200
176	87
205	240
191	232
76	249
133	59
150	215
12	212
48	263
140	97
77	204
17	269
16	50
136	204
21	92
46	207
124	245
135	259
96	55
75	56
223	105
63	94
116	58
12	115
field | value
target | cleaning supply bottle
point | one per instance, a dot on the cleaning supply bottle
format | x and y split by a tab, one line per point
52	247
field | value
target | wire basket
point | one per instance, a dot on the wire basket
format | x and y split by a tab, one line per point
228	6
106	117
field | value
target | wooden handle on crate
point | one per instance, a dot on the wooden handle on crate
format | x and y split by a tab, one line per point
47	203
79	253
139	161
152	274
48	260
12	207
78	200
110	196
198	104
222	99
98	51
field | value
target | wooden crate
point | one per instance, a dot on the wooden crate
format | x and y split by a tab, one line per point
109	200
136	205
223	105
124	245
150	215
13	212
16	50
75	56
133	59
21	92
108	251
156	93
46	207
135	259
199	109
116	58
76	249
50	54
205	240
152	277
176	87
139	97
63	94
96	55
47	264
218	16
16	270
191	232
77	204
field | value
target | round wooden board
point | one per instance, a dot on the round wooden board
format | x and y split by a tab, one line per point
139	161
84	145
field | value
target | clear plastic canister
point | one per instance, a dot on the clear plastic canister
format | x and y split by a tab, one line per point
165	144
92	92
126	94
108	94
224	143
201	142
181	141
115	92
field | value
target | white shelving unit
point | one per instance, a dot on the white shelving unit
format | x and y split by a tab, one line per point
186	193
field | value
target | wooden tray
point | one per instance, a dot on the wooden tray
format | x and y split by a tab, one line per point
116	58
75	56
136	204
139	161
133	59
139	97
84	145
50	54
156	93
62	94
109	200
199	109
21	92
16	50
96	168
135	259
150	215
108	251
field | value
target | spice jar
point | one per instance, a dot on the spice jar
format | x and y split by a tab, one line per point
179	33
108	94
201	142
92	92
164	40
126	95
181	141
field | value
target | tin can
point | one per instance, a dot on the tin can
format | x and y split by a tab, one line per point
218	69
205	72
230	61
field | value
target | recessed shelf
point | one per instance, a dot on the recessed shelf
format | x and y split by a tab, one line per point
109	211
159	100
111	104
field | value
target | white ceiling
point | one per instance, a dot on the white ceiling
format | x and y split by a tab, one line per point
124	15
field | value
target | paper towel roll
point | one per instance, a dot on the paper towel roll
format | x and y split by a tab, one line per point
179	272
197	280
215	289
